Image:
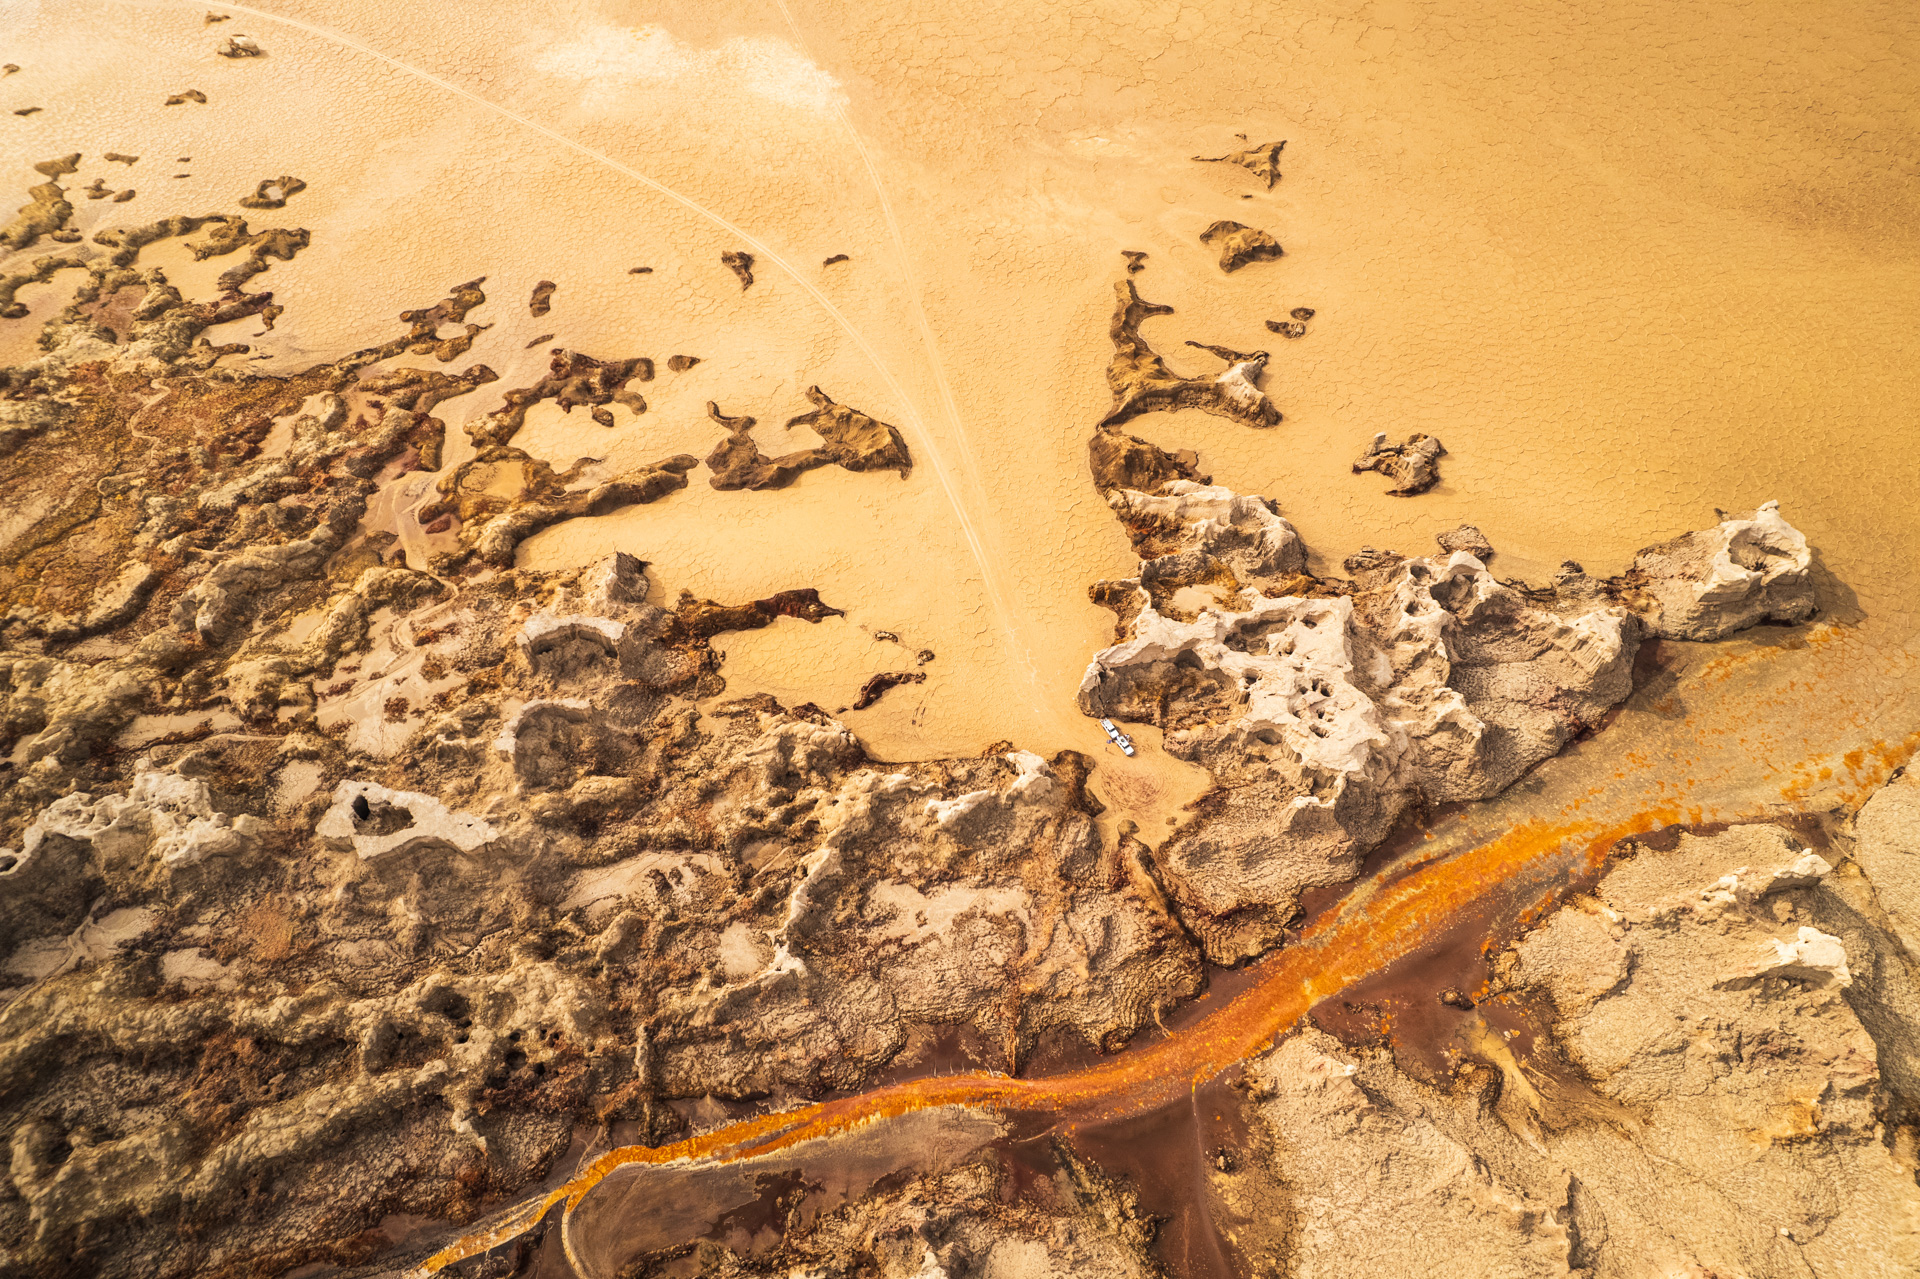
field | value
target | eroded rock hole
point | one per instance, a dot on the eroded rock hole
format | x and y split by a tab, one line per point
379	819
451	1004
1453	593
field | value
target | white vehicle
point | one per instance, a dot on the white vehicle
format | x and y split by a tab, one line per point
1117	737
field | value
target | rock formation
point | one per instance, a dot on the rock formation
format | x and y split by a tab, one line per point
737	462
1888	851
1142	383
1708	584
875	688
849	439
1262	161
853	440
349	870
1240	245
271	193
572	379
501	497
777	913
1414	467
1716	1109
1295	327
1129	462
1465	538
1324	709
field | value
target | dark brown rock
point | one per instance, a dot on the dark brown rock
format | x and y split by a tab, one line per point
852	439
875	688
1142	382
1262	161
1414	467
1240	244
1127	462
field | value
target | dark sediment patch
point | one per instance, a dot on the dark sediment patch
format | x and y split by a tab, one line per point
877	687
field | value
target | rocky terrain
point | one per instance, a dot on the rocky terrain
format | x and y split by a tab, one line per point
375	867
358	881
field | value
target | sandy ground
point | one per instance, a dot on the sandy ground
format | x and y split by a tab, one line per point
1629	263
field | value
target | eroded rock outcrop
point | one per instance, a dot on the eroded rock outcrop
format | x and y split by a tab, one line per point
1128	462
950	1222
354	869
737	462
273	193
1240	244
572	380
1262	161
1413	467
375	821
1708	584
502	496
1466	538
1142	383
1324	709
852	439
1716	1110
741	894
1296	327
1887	846
46	211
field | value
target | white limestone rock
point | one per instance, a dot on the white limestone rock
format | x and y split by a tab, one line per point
1708	584
1732	1035
1815	958
1323	714
1377	1185
968	815
1245	532
171	816
375	821
620	579
187	829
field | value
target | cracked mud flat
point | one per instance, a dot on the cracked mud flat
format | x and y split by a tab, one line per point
439	832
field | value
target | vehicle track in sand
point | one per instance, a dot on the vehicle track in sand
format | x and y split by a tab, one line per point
990	576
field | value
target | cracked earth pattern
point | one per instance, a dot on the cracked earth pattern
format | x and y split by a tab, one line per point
552	665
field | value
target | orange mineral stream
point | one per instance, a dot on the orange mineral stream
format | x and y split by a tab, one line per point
1782	744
